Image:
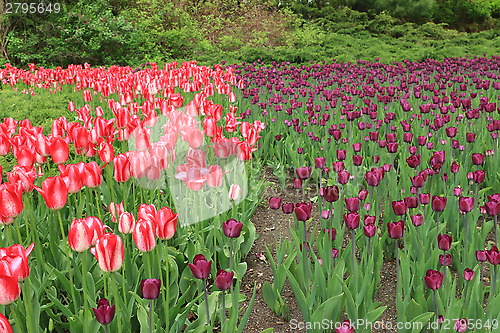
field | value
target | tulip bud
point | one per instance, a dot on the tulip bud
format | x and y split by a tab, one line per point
144	235
224	279
352	220
235	192
444	242
150	288
433	279
109	252
274	203
417	220
445	260
468	274
303	211
104	313
232	228
200	267
370	230
126	223
461	325
396	229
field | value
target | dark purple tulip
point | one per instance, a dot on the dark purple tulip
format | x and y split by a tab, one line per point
372	179
439	156
481	256
478	176
224	280
287	208
399	207
104	313
468	274
338	166
470	137
433	279
392	147
352	220
335	253
493	255
461	325
492	208
303	172
356	147
332	232
341	154
477	158
343	177
362	194
331	193
412	149
451	132
369	219
370	230
422	140
465	204
319	162
297	184
232	228
200	267
396	229
150	288
417	181
445	260
345	327
411	202
417	220
303	211
352	204
438	203
357	160
274	203
413	161
424	198
455	167
444	242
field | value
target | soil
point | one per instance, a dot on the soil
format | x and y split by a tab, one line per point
271	227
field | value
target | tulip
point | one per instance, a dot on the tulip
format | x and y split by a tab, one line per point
297	184
352	204
332	233
444	242
9	289
493	256
274	203
144	235
413	161
417	220
150	288
116	210
224	280
55	192
370	230
235	192
80	236
399	207
59	150
325	214
109	252
232	228
166	223
121	168
331	193
455	167
319	162
438	203
396	229
5	325
11	203
303	172
468	274
200	267
345	327
461	325
433	279
104	313
287	208
477	158
445	260
303	211
343	177
126	223
352	220
481	256
92	175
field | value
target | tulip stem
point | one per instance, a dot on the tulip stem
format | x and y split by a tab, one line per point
223	310
436	309
495	228
106	328
466	241
353	252
206	301
464	306
63	234
151	316
494	280
84	283
115	293
231	254
305	254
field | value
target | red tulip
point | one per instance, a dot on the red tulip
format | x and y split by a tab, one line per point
396	229
121	168
224	279
106	152
5	325
126	223
59	150
214	177
55	192
109	252
104	313
433	279
25	177
25	156
144	235
166	223
79	236
72	175
9	289
11	200
150	288
200	267
92	175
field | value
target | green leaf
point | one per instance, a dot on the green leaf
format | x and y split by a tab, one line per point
299	295
422	320
245	317
328	309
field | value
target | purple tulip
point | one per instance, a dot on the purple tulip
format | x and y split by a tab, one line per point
200	267
224	280
352	220
444	242
445	260
352	204
433	279
303	211
232	228
303	172
274	203
468	274
150	288
287	208
104	313
396	229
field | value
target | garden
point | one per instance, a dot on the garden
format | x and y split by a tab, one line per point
251	197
